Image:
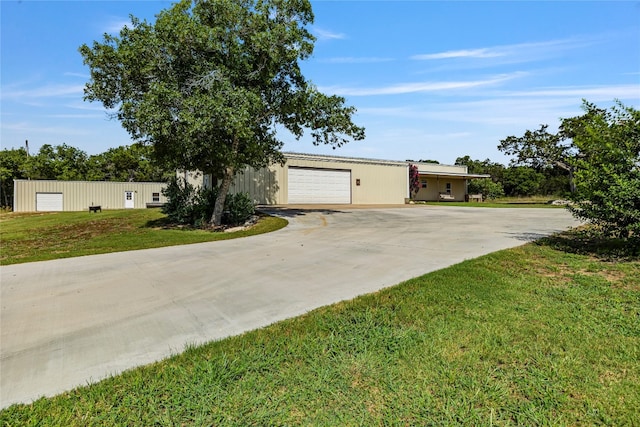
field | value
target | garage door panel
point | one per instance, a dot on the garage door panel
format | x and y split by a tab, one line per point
316	186
49	202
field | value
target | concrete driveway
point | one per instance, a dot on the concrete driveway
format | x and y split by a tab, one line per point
69	322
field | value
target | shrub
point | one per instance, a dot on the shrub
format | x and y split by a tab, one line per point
180	205
489	189
238	209
188	205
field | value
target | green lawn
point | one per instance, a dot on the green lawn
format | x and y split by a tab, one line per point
504	202
543	334
43	236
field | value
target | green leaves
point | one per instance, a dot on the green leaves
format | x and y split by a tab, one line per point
601	151
209	81
607	169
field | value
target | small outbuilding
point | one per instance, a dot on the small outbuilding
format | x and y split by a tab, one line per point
52	196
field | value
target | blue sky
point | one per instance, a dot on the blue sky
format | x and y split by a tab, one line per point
430	79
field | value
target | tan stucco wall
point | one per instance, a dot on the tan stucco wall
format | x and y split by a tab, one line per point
79	195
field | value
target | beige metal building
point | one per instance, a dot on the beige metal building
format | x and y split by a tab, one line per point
303	179
313	179
48	196
321	179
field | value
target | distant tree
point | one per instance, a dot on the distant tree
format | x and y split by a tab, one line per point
541	149
209	82
487	187
429	161
607	169
127	163
61	162
14	164
521	181
555	182
482	167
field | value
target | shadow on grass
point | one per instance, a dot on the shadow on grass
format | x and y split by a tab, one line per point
588	241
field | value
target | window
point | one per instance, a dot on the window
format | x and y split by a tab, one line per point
423	182
448	188
155	197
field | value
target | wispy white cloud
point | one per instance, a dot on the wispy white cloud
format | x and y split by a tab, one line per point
468	53
355	60
322	34
72	74
115	24
519	52
47	91
591	93
508	112
31	128
416	87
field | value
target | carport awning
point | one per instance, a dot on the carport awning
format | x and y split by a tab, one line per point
453	175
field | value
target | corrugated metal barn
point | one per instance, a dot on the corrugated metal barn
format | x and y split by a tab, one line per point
51	196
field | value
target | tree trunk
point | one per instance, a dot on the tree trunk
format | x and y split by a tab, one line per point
229	173
572	183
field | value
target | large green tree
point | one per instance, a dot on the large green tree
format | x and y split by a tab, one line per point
608	169
601	150
208	83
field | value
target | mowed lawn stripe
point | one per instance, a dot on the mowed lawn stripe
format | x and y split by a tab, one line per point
528	336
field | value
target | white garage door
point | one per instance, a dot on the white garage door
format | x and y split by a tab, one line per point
48	202
319	186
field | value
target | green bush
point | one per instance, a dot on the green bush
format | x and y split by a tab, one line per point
489	189
180	205
238	208
188	205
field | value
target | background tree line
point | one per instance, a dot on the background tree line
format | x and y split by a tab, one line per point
131	163
516	180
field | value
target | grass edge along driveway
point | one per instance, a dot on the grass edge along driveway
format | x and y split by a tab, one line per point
46	236
535	335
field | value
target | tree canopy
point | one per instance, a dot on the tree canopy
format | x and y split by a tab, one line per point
608	169
601	151
209	82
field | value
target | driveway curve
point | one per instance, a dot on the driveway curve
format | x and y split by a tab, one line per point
68	322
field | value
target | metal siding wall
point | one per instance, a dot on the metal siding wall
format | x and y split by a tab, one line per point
262	185
379	184
79	195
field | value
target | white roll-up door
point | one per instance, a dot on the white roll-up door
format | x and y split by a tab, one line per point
48	202
313	186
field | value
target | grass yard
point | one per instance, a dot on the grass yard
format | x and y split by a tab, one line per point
543	334
43	236
504	202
